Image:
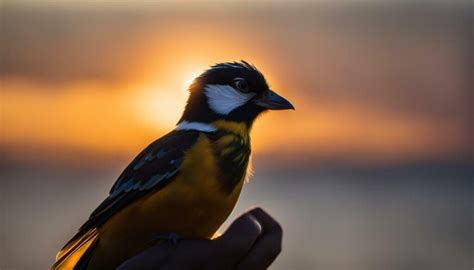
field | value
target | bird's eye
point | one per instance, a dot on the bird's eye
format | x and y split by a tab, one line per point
241	85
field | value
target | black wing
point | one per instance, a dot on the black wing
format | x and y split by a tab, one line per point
153	168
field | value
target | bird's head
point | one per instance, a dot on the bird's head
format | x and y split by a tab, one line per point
234	91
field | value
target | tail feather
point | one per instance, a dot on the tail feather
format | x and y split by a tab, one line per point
76	254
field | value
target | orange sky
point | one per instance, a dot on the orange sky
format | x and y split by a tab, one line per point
117	82
85	117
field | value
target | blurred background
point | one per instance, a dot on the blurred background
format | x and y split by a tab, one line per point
374	169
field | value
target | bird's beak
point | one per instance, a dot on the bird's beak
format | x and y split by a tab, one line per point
273	101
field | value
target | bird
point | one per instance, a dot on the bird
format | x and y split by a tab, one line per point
185	183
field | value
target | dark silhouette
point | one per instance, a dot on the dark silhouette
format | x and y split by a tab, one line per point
253	241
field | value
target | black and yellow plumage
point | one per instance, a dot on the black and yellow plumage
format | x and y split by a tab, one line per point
188	181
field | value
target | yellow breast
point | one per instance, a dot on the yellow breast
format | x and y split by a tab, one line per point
193	205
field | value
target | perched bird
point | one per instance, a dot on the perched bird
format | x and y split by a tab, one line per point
187	182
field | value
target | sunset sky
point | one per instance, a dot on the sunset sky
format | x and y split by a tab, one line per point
373	170
107	81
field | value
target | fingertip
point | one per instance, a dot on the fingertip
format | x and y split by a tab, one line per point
267	222
256	209
255	222
264	252
246	224
242	233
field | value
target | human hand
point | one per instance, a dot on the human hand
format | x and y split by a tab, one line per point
253	241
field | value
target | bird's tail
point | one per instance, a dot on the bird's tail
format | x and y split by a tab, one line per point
76	254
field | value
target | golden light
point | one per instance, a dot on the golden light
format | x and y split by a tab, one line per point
157	105
189	77
160	101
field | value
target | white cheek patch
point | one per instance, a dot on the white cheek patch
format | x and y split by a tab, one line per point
223	99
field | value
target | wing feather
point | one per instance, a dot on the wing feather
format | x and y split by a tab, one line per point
151	170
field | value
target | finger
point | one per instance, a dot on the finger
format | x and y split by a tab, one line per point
246	224
263	253
268	247
222	253
267	222
236	242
